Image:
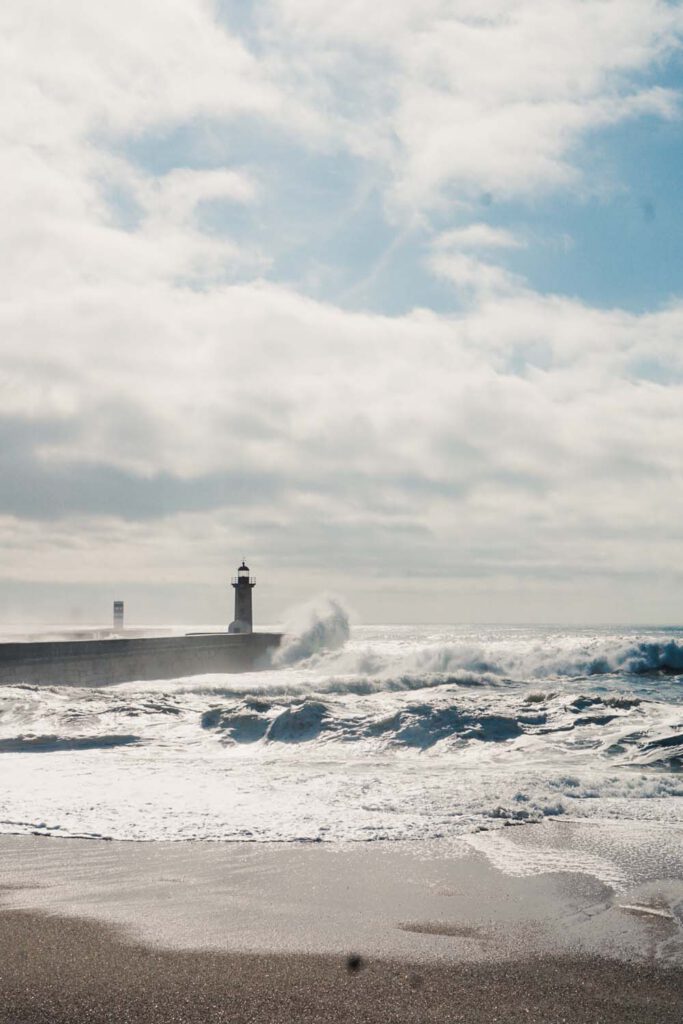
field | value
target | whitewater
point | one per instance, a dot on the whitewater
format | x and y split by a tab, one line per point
363	733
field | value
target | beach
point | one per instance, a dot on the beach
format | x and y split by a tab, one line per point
392	823
65	971
184	932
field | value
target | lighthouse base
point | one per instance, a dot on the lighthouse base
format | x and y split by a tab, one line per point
240	626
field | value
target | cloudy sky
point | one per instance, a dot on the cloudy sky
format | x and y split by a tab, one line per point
386	297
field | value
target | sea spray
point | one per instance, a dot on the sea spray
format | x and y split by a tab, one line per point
321	624
403	732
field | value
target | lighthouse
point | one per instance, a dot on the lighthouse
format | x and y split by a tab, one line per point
243	584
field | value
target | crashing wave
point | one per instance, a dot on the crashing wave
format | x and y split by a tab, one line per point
659	751
320	625
318	643
393	733
442	719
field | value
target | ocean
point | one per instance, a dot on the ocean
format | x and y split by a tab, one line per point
364	733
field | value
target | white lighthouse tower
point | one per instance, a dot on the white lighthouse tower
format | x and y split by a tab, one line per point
243	584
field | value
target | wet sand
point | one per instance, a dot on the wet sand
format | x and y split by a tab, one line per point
157	932
61	970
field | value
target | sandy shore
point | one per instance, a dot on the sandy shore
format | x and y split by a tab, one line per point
59	970
549	924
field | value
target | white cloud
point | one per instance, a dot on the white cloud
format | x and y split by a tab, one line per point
471	274
473	100
146	360
77	80
476	236
451	258
121	68
522	397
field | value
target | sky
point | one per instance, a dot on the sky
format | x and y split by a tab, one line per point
386	298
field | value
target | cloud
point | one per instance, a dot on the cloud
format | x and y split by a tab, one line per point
163	399
175	196
77	83
471	274
451	259
519	431
476	236
471	101
123	69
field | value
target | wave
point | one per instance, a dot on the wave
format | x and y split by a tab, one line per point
499	664
316	658
305	666
664	752
641	658
51	743
342	685
417	725
447	721
541	661
319	625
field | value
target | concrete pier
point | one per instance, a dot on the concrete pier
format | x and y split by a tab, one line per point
103	662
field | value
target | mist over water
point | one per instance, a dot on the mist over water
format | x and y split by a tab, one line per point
385	732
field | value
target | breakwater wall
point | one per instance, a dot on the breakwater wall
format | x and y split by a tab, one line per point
103	662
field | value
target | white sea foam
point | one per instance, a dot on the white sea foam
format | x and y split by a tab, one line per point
319	625
395	733
514	859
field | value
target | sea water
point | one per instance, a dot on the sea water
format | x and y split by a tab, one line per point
368	733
